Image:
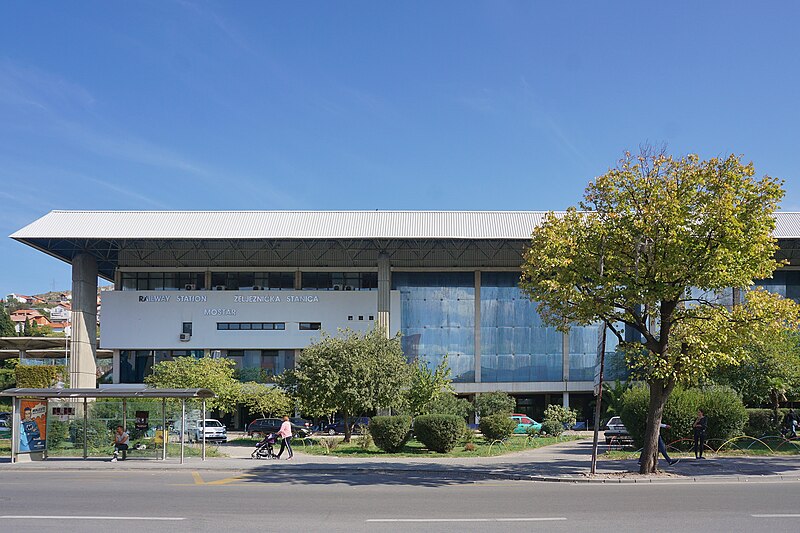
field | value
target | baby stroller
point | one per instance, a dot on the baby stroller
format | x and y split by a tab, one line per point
264	448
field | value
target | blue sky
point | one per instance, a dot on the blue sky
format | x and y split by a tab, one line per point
373	105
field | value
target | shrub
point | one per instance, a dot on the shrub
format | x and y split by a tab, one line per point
531	431
722	406
470	447
492	403
761	422
439	433
57	433
449	404
390	433
97	434
497	427
566	416
552	428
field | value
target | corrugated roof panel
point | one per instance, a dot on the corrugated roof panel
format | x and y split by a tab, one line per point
512	225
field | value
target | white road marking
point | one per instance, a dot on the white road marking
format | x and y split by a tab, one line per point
537	519
66	517
775	515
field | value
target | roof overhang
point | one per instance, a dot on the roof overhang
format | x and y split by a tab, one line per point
109	392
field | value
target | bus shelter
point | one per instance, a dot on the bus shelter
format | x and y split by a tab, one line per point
83	396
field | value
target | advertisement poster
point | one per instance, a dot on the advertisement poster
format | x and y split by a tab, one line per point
32	426
141	420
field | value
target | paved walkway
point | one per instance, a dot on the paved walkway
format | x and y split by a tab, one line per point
566	462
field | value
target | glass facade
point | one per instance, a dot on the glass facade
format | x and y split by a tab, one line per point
515	344
135	365
438	318
783	282
163	281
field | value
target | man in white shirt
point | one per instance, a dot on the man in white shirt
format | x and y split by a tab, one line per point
120	444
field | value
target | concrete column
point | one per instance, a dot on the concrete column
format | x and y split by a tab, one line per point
384	292
565	399
115	367
565	355
208	280
298	281
477	326
82	365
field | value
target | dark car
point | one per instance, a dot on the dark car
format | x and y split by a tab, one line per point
302	422
264	426
617	432
357	425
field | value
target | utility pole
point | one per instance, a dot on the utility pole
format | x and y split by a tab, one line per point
598	384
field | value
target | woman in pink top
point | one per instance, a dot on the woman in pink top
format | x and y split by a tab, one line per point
286	433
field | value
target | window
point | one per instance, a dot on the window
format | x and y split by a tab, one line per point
187	328
163	281
340	281
248	281
250	326
310	326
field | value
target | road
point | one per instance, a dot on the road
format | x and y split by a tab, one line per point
152	501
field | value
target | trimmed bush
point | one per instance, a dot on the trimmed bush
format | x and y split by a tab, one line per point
390	433
39	376
439	433
448	404
492	403
722	406
552	428
566	416
497	427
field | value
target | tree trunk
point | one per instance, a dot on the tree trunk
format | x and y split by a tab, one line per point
659	392
347	430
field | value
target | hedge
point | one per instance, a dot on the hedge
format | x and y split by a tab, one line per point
39	376
497	427
762	422
722	406
390	433
439	433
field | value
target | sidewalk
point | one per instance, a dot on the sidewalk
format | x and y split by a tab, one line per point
566	462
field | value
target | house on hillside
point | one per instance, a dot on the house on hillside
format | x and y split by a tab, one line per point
20	317
61	313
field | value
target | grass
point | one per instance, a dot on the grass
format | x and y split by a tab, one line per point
414	448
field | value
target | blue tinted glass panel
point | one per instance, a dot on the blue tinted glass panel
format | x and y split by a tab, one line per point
438	318
515	344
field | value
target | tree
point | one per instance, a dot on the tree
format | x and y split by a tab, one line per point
6	325
770	368
351	373
205	372
449	404
426	386
265	399
493	403
656	241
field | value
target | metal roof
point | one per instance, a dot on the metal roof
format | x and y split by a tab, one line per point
304	225
109	392
282	225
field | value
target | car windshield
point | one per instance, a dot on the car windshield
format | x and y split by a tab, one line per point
213	424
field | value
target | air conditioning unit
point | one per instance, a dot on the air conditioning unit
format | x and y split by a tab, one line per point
337	287
219	287
186	337
348	287
190	287
257	288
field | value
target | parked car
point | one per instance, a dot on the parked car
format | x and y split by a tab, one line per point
524	422
302	422
5	430
356	424
263	426
214	430
616	431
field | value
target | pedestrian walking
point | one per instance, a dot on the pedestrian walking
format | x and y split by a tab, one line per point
662	446
286	434
700	426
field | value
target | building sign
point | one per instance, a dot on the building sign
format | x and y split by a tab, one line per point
32	426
